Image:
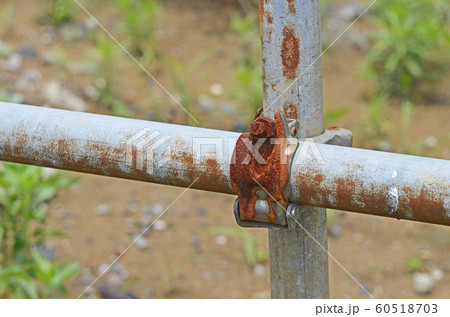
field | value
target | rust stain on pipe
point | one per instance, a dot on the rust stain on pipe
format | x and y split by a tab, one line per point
290	110
261	11
423	203
291	7
290	53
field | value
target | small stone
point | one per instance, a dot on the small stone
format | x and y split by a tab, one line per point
108	292
259	269
159	225
241	127
195	241
28	51
384	145
47	251
102	268
423	283
152	116
13	63
206	104
85	280
378	291
336	230
350	11
157	209
437	274
201	211
431	141
89	292
120	270
102	209
132	206
59	96
216	89
113	280
71	32
91	92
150	291
206	276
227	108
221	240
91	24
29	81
147	217
140	242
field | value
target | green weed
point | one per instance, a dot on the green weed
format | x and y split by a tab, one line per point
331	117
140	19
172	281
376	118
107	57
180	75
58	12
413	264
246	85
410	47
24	191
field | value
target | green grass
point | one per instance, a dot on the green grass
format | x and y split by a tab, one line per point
413	264
58	12
409	55
246	77
139	23
24	192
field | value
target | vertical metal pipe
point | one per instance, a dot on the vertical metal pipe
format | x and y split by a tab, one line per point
292	81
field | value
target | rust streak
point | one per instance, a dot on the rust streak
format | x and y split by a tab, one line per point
261	11
290	53
291	7
290	110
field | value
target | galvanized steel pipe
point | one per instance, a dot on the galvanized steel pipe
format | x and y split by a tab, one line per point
118	147
370	182
292	82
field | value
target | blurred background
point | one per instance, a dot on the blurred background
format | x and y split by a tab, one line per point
386	79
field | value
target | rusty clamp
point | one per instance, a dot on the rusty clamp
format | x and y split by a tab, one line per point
260	169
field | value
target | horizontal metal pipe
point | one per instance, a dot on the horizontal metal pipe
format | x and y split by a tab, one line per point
370	182
119	147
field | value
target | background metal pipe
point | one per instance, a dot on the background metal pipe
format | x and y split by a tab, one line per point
371	182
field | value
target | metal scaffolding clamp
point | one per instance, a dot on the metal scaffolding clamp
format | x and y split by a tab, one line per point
261	165
259	171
